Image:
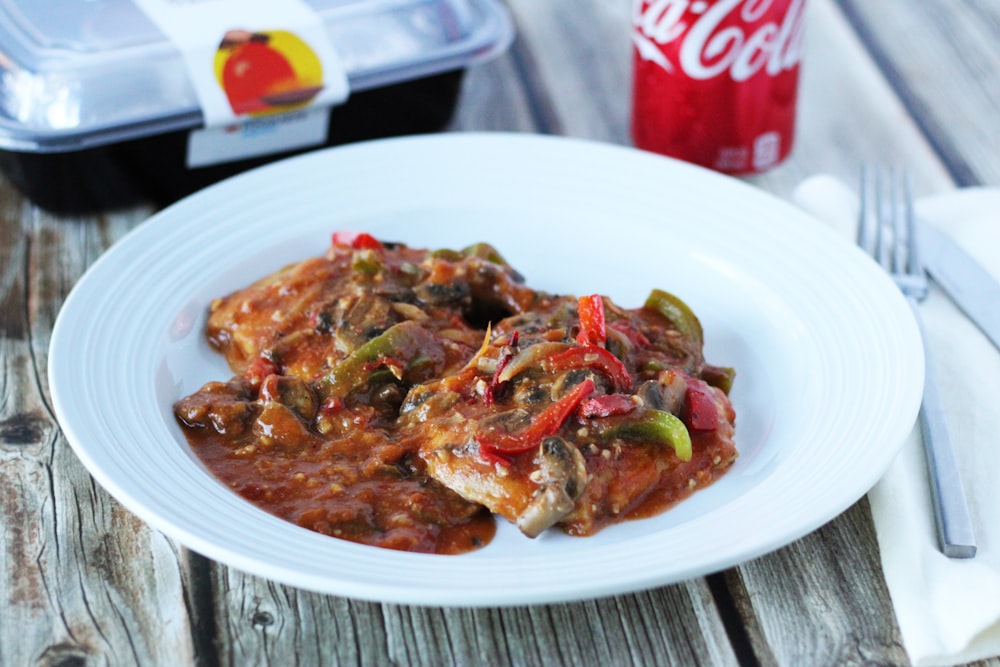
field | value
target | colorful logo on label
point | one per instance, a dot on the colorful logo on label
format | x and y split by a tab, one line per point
265	72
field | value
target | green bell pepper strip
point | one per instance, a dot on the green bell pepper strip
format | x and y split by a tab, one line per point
481	250
446	254
406	342
677	313
366	262
485	251
719	376
653	426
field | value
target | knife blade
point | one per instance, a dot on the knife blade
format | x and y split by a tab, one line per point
969	285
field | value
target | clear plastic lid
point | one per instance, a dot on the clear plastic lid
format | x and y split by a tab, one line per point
82	73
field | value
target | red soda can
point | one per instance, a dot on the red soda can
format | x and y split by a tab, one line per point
716	81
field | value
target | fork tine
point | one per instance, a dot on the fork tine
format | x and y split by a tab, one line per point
886	223
867	215
886	227
915	265
880	218
883	213
900	221
876	216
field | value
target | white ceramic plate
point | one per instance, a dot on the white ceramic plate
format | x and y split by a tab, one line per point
827	353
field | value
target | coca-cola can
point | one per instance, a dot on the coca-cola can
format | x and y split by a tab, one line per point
716	81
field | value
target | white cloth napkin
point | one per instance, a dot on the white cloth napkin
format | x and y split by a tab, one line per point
948	610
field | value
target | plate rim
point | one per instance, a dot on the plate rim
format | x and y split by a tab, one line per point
483	144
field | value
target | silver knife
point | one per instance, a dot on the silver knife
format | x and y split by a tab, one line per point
968	284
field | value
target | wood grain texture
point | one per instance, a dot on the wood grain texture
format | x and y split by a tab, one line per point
575	61
815	601
953	89
493	99
85	581
270	624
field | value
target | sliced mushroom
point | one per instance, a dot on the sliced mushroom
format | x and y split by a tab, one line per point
292	392
565	382
280	427
563	476
223	406
360	318
443	294
665	393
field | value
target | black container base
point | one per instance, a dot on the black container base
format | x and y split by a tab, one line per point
153	170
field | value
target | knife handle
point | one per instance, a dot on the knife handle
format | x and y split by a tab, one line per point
951	509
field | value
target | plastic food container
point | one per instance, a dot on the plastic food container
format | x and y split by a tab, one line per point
97	109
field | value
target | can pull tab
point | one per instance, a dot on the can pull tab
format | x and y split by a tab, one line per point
249	59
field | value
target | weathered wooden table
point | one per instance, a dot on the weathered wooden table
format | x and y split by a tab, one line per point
85	582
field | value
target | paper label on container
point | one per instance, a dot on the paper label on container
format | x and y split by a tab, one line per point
260	136
250	59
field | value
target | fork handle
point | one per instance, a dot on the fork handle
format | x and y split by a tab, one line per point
951	510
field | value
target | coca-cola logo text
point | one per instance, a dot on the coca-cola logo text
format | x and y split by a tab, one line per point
713	36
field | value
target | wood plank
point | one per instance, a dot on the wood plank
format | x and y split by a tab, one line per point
575	61
265	623
493	99
953	89
84	580
820	600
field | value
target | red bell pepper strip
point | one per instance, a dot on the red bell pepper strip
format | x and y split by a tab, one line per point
631	332
591	356
606	406
356	240
547	423
700	411
592	326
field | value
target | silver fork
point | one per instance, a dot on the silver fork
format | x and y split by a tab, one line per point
887	231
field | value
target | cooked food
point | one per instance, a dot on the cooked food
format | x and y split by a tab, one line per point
404	397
